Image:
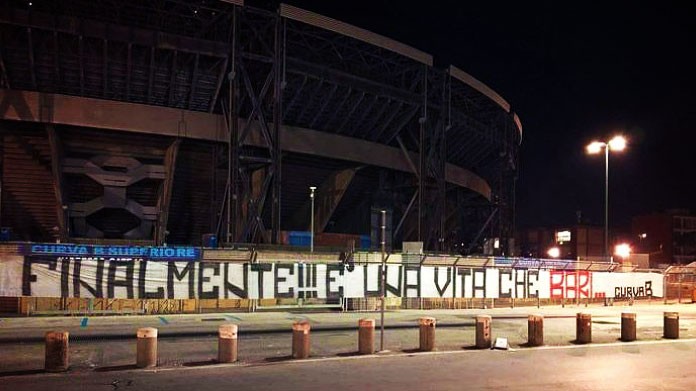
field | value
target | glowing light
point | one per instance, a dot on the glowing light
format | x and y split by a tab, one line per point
622	250
618	143
595	147
643	235
554	252
562	236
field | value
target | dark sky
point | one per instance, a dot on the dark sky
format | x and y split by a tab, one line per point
573	71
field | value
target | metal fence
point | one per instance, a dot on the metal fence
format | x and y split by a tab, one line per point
679	286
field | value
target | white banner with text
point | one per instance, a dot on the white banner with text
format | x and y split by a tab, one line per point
95	277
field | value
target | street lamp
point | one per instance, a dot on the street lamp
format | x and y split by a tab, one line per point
311	226
554	252
618	143
622	250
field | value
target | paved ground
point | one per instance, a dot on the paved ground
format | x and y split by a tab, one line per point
108	343
651	365
185	340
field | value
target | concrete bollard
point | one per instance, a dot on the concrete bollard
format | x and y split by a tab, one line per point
146	355
583	323
57	354
227	343
628	326
535	330
483	331
427	334
366	336
671	325
300	339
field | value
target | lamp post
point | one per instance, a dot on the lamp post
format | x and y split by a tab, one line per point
383	280
311	225
618	143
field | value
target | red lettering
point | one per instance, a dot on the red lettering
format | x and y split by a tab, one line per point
557	284
585	283
571	285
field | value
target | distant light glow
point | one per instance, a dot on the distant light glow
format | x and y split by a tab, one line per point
643	235
618	143
622	250
595	147
554	252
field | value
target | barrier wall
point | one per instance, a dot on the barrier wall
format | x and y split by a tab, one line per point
139	278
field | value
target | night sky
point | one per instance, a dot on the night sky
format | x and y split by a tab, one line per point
573	71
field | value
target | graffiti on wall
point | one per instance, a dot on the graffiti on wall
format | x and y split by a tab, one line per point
150	279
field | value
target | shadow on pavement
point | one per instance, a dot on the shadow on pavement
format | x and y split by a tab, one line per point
115	368
26	372
348	354
203	363
278	359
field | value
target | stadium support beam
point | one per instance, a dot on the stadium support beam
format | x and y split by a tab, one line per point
407	156
56	61
81	54
56	157
218	85
276	155
194	81
105	68
151	77
406	212
422	168
172	81
165	196
129	70
4	80
232	191
441	161
132	117
30	51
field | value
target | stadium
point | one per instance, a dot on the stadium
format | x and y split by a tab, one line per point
177	122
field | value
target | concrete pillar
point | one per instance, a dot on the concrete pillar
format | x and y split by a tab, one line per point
535	330
366	336
483	331
146	355
628	326
300	339
671	325
427	333
227	343
583	323
57	354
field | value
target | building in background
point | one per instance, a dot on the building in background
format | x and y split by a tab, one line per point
584	242
198	134
668	238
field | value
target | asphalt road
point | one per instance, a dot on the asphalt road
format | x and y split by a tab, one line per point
108	343
650	365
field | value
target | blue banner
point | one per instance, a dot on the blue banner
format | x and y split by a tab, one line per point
146	252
